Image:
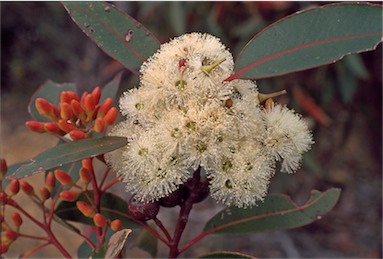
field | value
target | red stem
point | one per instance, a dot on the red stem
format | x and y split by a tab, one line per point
164	230
184	216
34	249
111	183
104	178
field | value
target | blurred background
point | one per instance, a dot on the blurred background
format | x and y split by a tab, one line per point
39	41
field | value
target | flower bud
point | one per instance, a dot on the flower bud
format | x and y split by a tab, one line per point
27	188
45	194
10	235
111	116
4	248
99	220
104	107
143	211
96	93
87	163
68	195
52	127
65	126
85	209
14	186
175	198
66	112
85	175
64	178
99	125
3	168
68	96
16	219
89	103
116	225
77	134
44	107
3	198
35	126
50	181
76	107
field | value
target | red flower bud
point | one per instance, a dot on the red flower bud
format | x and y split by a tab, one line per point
65	126
96	93
85	209
105	107
116	225
87	163
3	198
45	194
111	116
3	168
50	181
4	248
10	235
64	178
77	134
16	219
68	96
35	126
44	107
66	112
99	125
52	127
68	195
27	188
85	175
99	220
76	107
89	103
14	186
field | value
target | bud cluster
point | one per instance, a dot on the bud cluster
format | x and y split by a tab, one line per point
10	231
195	190
75	116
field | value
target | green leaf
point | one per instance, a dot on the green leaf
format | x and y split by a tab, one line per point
277	212
147	242
10	171
309	39
112	207
50	91
224	254
101	253
111	89
68	153
119	35
116	243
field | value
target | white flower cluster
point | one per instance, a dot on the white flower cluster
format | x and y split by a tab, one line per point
185	115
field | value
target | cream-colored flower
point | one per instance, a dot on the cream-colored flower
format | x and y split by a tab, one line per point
242	178
286	137
184	115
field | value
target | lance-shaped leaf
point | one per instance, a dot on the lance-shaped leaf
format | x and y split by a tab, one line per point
112	207
50	91
309	39
119	35
68	153
111	89
275	213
